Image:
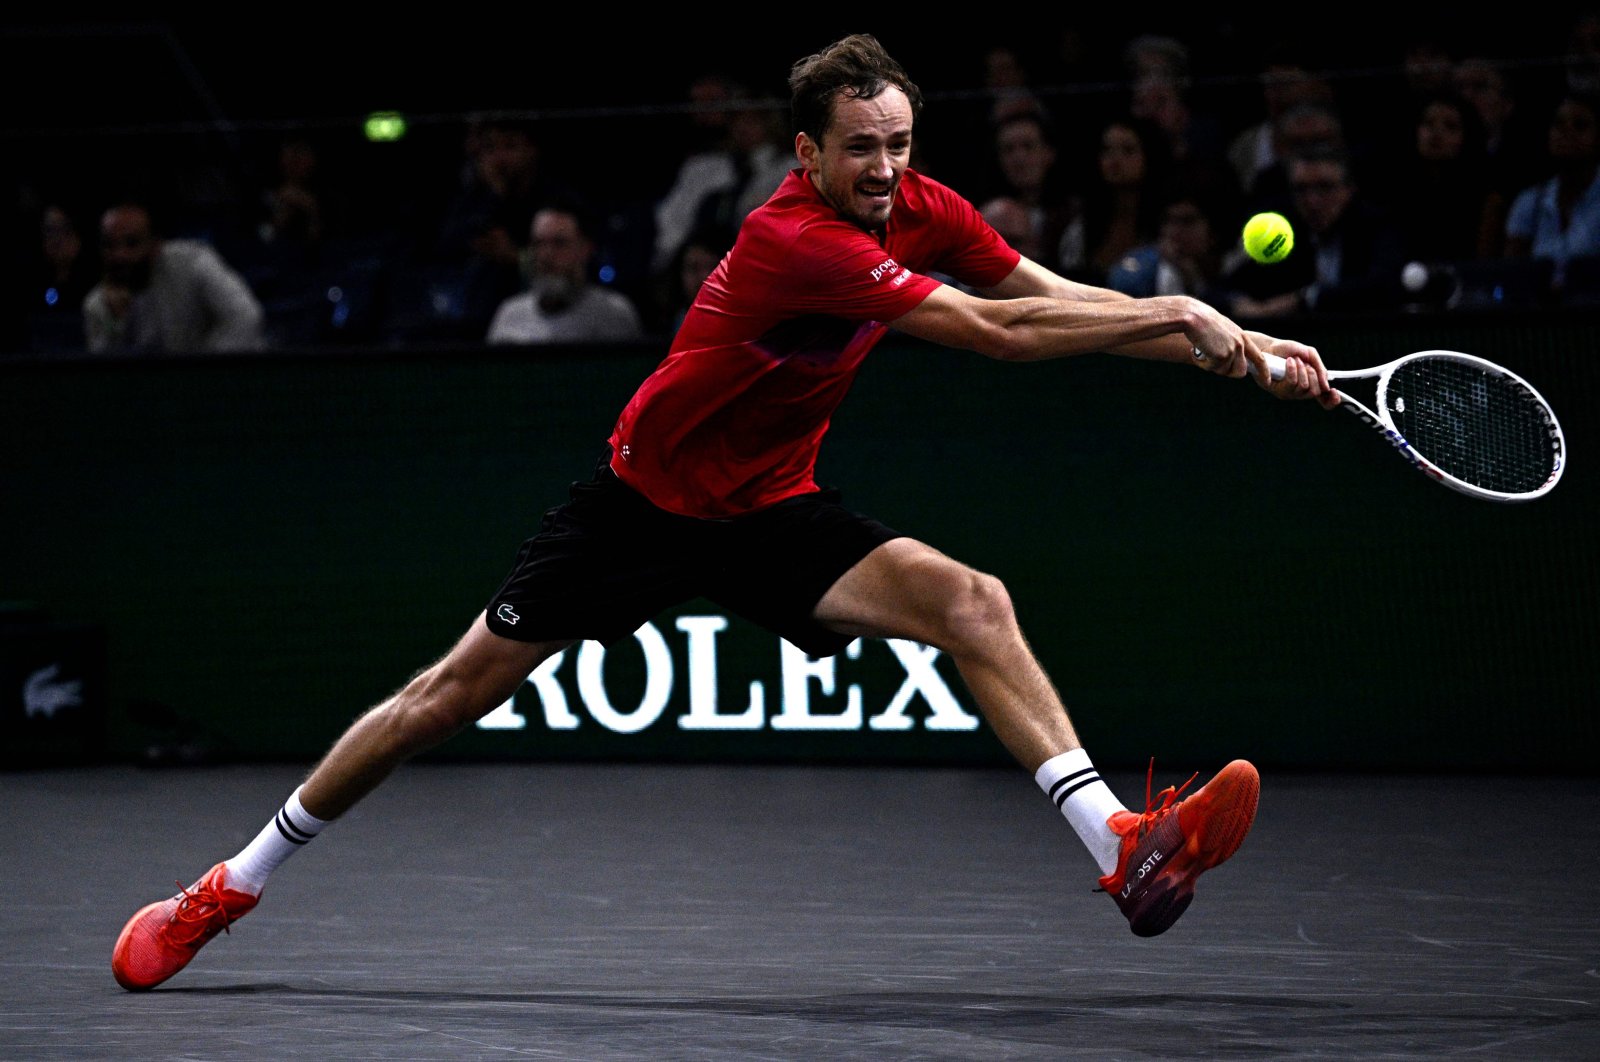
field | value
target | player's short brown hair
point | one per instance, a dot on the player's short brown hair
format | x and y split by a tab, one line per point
856	66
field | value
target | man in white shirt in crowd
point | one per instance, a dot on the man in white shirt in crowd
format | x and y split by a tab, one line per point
562	305
165	295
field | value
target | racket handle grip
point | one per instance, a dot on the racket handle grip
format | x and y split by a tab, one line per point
1275	364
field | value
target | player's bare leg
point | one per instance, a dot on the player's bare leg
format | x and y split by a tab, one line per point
905	589
477	675
470	681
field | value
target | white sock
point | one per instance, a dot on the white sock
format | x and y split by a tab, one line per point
281	838
1072	782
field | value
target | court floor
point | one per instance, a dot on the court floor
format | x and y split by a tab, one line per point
650	912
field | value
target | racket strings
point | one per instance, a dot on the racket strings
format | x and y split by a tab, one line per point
1486	429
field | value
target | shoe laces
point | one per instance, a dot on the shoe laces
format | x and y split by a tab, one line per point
1153	812
195	920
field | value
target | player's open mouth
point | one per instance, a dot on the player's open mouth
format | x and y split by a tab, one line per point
883	195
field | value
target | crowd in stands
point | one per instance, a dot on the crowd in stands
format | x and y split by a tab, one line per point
1448	182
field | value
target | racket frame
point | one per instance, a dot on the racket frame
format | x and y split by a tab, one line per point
1380	421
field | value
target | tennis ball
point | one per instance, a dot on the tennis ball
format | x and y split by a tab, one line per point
1268	238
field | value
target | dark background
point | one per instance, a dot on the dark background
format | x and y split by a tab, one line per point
95	102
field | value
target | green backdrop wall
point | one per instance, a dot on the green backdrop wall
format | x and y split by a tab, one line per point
273	543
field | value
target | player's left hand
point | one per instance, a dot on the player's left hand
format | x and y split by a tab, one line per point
1304	375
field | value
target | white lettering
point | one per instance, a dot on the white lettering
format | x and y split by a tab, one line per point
552	701
921	677
702	714
799	671
657	683
810	694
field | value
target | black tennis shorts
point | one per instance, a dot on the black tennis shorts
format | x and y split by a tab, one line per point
608	560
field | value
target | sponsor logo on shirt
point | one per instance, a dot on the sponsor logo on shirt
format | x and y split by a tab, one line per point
889	266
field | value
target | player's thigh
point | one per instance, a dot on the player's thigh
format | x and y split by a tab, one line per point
907	589
482	669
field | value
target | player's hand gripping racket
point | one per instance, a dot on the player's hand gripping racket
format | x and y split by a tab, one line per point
1468	423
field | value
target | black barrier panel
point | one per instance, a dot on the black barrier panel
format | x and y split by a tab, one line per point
273	544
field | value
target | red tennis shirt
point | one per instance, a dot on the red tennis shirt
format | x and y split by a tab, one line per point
732	420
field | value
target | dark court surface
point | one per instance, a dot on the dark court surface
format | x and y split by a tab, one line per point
627	912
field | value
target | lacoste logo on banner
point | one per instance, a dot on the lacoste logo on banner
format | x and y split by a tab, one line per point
505	613
43	695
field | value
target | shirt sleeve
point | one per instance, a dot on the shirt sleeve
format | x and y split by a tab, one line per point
837	269
971	251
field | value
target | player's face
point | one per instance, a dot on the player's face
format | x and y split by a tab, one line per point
858	166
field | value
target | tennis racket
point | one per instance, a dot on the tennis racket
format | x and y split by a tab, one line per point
1467	423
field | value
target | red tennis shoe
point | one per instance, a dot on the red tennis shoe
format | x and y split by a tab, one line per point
162	938
1168	845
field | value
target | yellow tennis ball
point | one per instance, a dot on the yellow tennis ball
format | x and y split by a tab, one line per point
1268	238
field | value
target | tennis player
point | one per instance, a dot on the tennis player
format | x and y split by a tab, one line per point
706	489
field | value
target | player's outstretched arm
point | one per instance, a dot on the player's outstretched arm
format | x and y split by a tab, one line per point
1036	314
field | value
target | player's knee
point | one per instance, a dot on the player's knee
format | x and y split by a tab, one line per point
977	611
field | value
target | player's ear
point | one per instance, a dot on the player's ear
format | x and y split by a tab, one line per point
806	150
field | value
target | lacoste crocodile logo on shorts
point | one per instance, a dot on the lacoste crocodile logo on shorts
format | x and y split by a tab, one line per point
504	612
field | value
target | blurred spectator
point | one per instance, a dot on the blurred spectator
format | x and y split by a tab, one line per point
1026	154
734	176
1006	81
1512	145
1559	219
1122	206
60	274
1306	128
1441	192
1583	55
1159	70
1347	254
485	226
1012	219
1428	68
1185	260
293	206
165	295
66	274
561	305
700	254
1285	85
